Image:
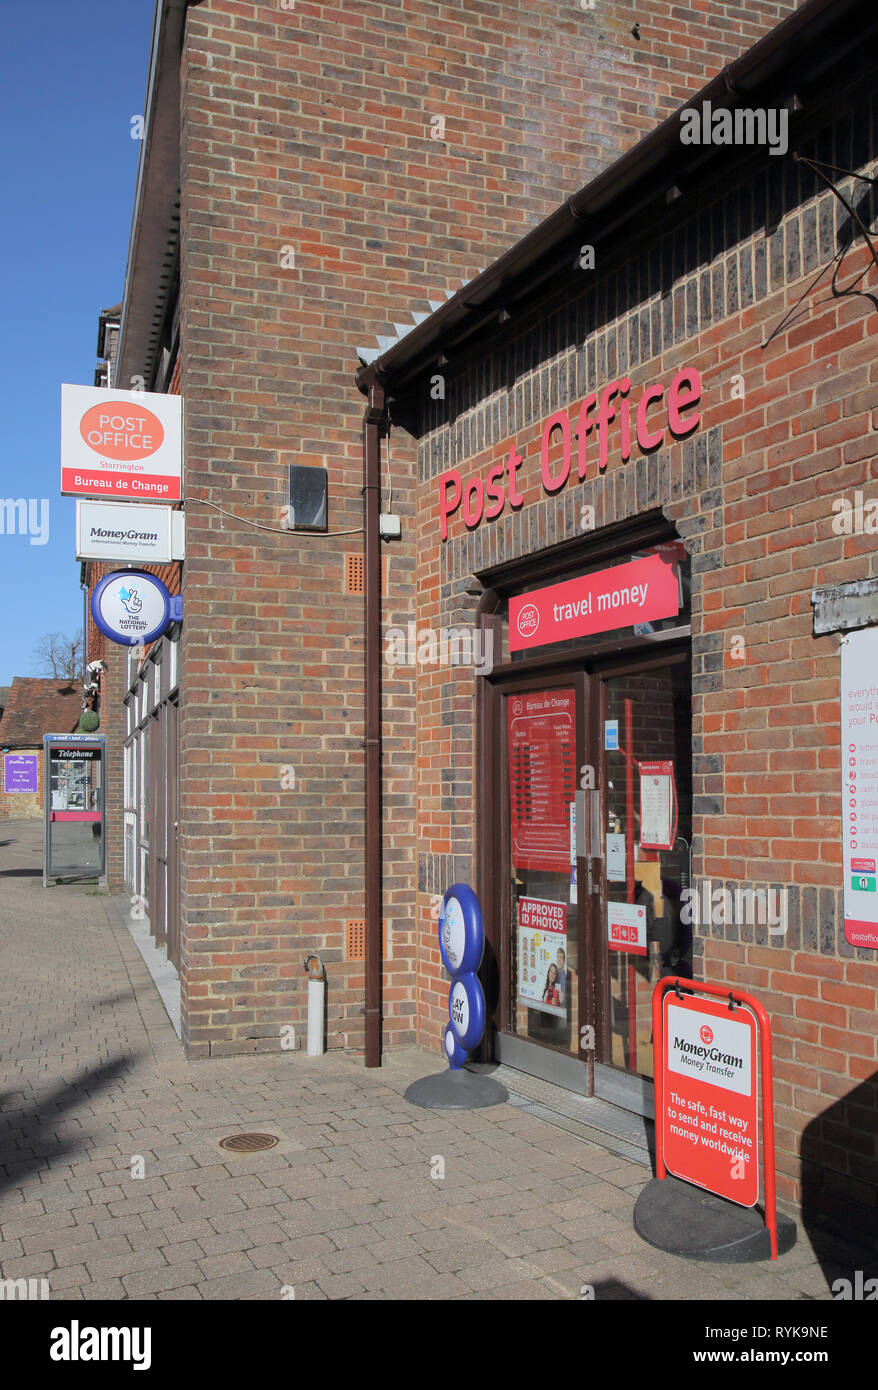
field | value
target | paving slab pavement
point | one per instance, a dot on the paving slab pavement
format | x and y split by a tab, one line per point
347	1206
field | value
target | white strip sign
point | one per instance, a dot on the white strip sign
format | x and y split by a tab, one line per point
127	533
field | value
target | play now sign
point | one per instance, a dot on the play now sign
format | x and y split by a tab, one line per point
640	591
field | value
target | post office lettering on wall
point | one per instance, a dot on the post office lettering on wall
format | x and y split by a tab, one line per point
589	434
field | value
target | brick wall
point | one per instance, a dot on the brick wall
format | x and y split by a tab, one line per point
727	286
317	209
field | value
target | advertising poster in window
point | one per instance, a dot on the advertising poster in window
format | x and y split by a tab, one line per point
542	956
859	761
541	729
626	928
658	805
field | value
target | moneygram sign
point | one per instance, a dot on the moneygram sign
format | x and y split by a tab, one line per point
126	533
121	444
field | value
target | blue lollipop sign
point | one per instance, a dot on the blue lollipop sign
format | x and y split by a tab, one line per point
461	946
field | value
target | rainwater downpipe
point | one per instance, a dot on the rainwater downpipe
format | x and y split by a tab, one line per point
373	425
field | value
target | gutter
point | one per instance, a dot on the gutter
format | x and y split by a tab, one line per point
770	61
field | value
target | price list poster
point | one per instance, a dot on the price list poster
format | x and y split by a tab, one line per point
542	752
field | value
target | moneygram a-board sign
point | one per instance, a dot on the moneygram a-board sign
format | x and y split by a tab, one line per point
709	1088
121	444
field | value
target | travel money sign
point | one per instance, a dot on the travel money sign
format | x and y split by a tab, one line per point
641	591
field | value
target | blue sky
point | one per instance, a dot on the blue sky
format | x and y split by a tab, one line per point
72	74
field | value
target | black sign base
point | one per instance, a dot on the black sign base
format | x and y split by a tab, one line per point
456	1089
685	1220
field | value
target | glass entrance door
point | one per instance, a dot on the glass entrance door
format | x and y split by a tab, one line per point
647	813
541	726
545	981
593	864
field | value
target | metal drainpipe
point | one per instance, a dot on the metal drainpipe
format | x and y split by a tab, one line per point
373	423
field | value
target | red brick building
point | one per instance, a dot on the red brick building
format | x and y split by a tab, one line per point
315	184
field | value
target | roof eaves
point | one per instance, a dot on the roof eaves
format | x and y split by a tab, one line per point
801	32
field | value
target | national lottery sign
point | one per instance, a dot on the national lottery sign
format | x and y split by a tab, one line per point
710	1122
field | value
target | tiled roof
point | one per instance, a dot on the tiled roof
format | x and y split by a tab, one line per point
37	705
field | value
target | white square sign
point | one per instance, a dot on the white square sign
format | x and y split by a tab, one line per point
121	444
712	1049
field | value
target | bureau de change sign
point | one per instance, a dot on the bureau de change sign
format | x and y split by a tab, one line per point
710	1119
121	444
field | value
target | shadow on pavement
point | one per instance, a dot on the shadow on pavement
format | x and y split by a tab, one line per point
614	1290
27	1136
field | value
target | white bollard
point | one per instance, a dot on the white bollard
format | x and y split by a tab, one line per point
316	995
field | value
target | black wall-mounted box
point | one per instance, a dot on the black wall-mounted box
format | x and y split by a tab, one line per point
307	498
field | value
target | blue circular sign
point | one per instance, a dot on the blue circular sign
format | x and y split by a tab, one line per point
461	933
466	1009
131	606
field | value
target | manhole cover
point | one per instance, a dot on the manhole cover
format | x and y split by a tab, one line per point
248	1143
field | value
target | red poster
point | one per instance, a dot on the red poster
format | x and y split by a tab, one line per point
709	1089
542	777
641	591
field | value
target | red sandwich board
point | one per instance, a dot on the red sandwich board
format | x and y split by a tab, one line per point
706	1107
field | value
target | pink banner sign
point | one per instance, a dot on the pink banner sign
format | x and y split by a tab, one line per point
641	591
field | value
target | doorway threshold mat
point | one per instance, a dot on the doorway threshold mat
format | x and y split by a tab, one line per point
594	1120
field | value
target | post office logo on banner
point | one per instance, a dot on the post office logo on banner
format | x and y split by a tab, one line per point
130	606
121	444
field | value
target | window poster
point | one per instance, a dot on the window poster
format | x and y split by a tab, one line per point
658	805
541	731
626	928
542	956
